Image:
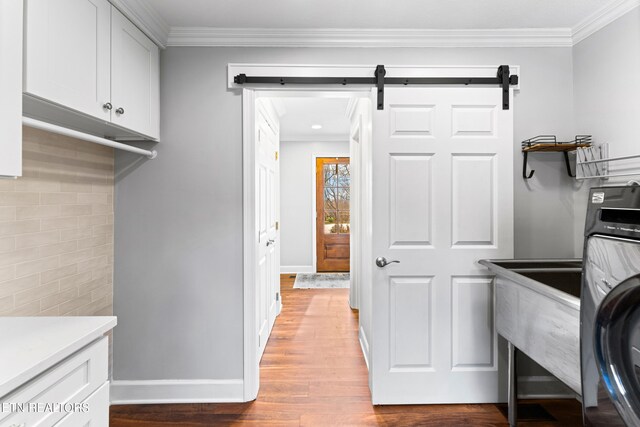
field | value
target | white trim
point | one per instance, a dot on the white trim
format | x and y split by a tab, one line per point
542	387
146	18
364	345
602	17
251	373
315	138
378	38
295	269
175	391
251	362
359	70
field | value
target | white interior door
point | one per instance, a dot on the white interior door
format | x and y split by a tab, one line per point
268	202
442	199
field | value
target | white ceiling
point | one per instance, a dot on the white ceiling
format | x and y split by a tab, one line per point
386	14
301	113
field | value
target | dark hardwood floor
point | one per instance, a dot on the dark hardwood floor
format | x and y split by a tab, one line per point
313	374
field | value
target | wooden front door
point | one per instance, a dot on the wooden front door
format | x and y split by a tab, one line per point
333	185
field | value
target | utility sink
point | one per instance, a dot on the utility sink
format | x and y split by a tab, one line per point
538	311
562	275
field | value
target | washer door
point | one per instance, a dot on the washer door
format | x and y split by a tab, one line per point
617	347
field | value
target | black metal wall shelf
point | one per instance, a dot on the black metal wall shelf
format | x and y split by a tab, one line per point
548	144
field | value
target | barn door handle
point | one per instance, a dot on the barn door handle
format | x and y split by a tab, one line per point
382	261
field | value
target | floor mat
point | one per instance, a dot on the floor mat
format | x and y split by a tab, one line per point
527	412
322	281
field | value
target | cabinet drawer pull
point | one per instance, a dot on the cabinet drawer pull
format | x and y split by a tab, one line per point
120	110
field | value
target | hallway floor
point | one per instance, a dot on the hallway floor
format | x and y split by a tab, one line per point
313	374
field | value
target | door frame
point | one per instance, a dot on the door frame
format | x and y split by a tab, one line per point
314	204
251	361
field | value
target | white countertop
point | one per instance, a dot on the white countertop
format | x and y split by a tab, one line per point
30	345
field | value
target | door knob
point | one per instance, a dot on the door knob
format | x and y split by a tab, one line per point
120	110
382	261
107	106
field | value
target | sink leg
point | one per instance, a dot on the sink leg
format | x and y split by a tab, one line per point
513	386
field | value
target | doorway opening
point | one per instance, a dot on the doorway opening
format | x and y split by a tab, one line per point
305	162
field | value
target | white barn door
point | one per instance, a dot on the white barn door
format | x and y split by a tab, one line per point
267	203
442	199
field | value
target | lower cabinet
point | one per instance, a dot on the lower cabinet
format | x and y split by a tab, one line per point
74	392
97	414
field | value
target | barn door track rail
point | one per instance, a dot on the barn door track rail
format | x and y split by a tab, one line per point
503	80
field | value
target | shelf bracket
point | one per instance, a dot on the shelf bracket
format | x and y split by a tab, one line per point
525	158
568	163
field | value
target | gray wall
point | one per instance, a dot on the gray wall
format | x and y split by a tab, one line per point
607	96
297	183
178	265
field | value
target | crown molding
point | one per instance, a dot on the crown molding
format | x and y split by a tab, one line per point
146	18
330	37
602	17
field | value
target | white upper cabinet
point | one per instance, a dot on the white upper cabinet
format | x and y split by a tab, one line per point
85	61
68	54
134	77
10	88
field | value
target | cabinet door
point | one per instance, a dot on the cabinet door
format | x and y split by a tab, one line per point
11	88
135	81
67	53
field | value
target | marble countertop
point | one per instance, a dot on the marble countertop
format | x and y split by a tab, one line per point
30	345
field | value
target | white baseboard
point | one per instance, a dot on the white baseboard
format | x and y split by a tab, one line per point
364	345
294	269
176	391
543	387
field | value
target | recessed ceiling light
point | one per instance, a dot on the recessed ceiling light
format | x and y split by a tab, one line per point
316	127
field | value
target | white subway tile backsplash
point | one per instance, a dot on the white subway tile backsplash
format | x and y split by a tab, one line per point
58	273
59	223
59	248
37	239
76	280
7	273
13	228
7	244
56	229
11	198
58	198
36	266
7	213
39	212
12	287
75	210
34	294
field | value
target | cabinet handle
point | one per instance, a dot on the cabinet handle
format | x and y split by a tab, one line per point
120	110
107	106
